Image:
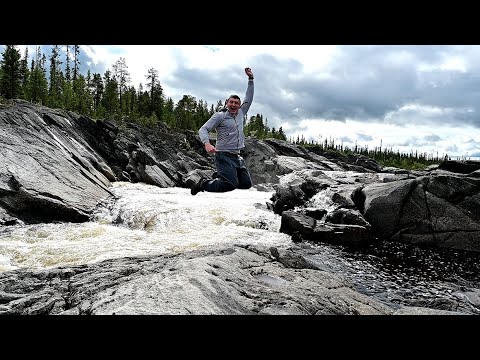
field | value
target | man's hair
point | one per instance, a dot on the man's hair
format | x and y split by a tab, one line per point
234	97
224	108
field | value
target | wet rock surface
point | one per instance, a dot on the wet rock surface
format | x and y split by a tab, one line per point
235	280
75	159
404	274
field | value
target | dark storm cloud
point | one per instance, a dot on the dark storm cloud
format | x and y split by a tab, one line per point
209	86
353	90
361	85
214	85
393	85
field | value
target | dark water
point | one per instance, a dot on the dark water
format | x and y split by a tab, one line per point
403	274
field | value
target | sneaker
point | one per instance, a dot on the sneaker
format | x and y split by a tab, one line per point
197	187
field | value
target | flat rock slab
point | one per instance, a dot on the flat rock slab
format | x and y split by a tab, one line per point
231	280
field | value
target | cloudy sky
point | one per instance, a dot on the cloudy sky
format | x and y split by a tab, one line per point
409	98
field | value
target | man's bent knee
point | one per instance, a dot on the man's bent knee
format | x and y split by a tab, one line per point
245	185
228	186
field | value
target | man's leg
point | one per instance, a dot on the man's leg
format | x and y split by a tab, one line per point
244	179
226	179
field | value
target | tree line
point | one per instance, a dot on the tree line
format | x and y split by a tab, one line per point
112	97
109	96
413	160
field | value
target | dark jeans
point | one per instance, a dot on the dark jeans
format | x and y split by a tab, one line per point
232	173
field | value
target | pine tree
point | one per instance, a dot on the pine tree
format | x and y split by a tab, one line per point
25	74
43	80
184	112
11	80
88	94
82	97
110	98
201	114
133	102
122	76
97	85
281	135
156	93
38	84
76	62
143	103
67	64
31	82
55	70
168	113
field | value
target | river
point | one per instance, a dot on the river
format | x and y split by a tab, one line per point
144	220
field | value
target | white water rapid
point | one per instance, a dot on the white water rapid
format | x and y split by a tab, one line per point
144	220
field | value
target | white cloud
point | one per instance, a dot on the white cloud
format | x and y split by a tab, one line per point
448	63
453	141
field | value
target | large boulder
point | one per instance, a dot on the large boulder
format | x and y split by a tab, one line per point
47	171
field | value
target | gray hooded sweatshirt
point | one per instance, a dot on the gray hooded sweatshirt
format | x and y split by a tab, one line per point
229	127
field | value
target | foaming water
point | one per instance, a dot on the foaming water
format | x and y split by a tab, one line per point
322	200
143	220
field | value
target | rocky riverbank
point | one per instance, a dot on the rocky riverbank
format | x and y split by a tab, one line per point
58	166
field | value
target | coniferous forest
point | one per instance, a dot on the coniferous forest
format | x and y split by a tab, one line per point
111	96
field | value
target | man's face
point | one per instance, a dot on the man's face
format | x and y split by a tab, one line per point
233	105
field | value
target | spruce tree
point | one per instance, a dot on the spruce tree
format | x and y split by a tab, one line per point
67	64
55	87
168	114
156	93
76	62
97	85
11	79
110	98
25	74
121	74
